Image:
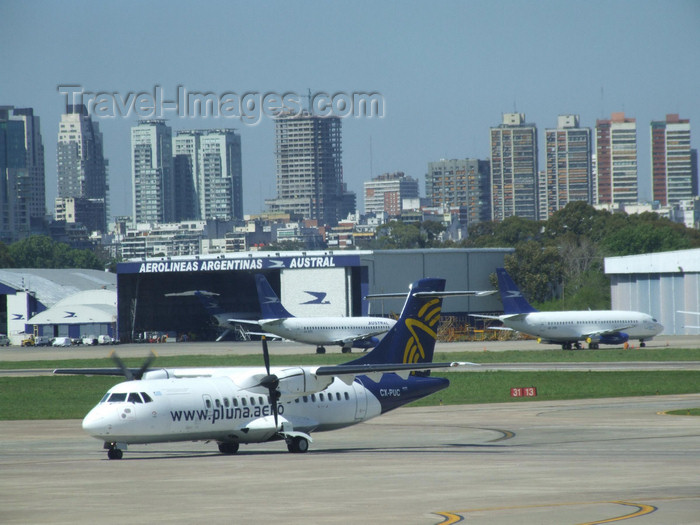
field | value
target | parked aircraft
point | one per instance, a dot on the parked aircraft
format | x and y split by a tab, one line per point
568	328
347	332
240	405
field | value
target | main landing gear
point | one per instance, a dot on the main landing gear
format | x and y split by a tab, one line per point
570	346
320	349
297	445
228	448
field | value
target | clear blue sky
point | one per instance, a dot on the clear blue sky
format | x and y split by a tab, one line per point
446	70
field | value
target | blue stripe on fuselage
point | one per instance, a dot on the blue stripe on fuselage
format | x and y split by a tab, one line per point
392	391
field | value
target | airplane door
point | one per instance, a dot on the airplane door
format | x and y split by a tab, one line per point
361	400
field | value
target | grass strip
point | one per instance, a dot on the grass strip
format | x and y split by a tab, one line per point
71	397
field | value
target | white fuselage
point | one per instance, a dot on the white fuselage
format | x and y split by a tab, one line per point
225	408
578	325
327	330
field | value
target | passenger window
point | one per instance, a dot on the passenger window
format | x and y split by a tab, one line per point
313	398
306	399
226	402
134	398
207	402
146	398
337	396
347	397
243	401
262	402
252	401
235	402
217	403
320	396
116	398
296	400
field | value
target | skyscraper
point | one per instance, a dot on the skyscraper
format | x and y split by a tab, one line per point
569	170
386	193
35	188
671	164
152	171
186	175
514	168
82	168
616	158
309	169
460	183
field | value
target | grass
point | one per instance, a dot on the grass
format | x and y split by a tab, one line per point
685	412
70	397
510	356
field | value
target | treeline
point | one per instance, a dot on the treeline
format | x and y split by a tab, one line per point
557	263
40	251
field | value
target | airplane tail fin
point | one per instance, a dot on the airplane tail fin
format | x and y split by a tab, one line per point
513	300
270	305
208	301
412	338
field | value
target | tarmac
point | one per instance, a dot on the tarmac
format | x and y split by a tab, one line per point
531	462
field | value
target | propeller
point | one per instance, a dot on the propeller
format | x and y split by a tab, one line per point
270	381
128	373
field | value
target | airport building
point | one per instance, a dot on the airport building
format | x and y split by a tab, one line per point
665	285
158	294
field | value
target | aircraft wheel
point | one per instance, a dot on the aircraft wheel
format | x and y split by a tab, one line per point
320	350
642	344
346	350
115	453
228	448
298	445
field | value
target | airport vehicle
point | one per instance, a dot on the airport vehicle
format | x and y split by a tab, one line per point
569	328
62	341
347	332
4	340
240	405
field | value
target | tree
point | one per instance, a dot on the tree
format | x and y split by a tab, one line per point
39	251
537	269
6	260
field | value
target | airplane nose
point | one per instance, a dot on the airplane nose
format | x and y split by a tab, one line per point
99	421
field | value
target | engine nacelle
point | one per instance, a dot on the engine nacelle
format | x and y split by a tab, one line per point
370	342
298	382
609	339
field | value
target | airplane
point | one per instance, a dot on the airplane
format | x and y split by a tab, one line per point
214	309
242	405
568	328
347	332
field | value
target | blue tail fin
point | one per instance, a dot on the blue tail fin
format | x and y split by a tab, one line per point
270	305
513	301
412	339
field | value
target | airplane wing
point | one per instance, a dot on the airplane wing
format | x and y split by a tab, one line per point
244	321
347	373
609	331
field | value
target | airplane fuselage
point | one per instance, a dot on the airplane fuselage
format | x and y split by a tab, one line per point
327	330
575	326
223	408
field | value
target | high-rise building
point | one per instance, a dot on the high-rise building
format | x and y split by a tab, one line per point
208	175
152	172
82	168
569	175
309	168
514	168
616	160
35	188
386	193
672	174
463	183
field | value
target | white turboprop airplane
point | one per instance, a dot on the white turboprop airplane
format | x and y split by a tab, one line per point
241	405
610	327
348	332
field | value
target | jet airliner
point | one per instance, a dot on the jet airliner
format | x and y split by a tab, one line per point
568	328
241	405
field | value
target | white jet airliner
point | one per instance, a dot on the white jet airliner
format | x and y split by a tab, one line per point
610	327
241	405
347	332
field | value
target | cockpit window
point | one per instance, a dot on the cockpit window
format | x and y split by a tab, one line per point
117	397
104	398
134	398
146	398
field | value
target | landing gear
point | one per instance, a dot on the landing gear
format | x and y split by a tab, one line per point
566	346
346	349
298	445
228	448
320	350
593	346
642	344
115	453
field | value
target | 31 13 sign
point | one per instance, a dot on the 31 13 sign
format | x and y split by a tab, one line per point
529	391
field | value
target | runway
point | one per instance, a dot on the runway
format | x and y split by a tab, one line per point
534	462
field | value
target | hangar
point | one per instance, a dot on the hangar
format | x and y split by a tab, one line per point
32	302
157	294
664	285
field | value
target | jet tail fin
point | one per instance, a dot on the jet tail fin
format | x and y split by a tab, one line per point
412	338
270	305
512	298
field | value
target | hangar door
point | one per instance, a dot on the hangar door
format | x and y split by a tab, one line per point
316	292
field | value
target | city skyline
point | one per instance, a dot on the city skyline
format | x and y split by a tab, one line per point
403	51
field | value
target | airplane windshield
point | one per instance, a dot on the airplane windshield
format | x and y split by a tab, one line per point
117	397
